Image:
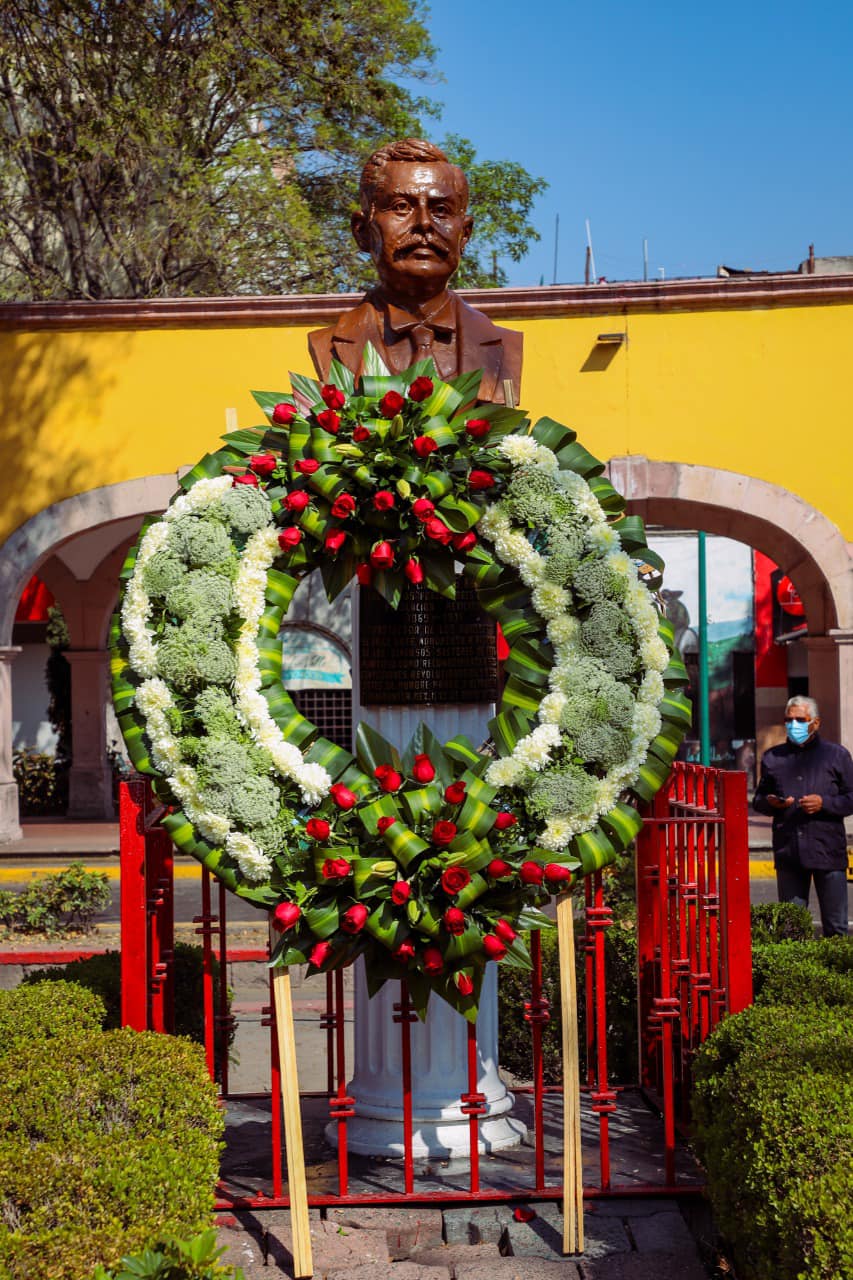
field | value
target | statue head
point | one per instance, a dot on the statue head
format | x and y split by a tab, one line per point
413	219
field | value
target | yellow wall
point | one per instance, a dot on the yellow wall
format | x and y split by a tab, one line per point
761	392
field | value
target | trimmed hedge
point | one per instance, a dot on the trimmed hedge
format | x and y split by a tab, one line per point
773	1113
780	922
102	975
108	1140
196	1259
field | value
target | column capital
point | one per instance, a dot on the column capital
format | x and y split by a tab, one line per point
9	652
81	657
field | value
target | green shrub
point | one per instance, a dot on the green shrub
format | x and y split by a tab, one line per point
818	972
107	1143
102	974
173	1259
780	922
773	1112
55	904
42	783
42	1014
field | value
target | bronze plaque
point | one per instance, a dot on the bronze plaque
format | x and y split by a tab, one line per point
430	650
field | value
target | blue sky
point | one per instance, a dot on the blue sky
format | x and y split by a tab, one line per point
720	132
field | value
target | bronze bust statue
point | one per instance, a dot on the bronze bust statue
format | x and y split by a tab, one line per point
414	223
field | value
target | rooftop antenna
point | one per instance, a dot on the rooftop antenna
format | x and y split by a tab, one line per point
556	245
590	254
645	258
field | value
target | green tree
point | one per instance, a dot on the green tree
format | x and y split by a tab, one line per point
175	147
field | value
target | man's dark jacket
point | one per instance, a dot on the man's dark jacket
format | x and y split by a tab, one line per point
815	841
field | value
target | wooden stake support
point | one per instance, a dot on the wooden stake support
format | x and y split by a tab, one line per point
303	1265
572	1166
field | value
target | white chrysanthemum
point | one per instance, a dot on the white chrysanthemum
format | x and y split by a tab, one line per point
519	449
647	721
564	630
652	688
506	772
557	833
251	859
620	563
153	695
202	494
534	751
212	826
551	707
314	782
654	654
546	460
551	600
603	538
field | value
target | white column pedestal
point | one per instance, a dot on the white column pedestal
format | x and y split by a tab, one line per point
439	1078
10	826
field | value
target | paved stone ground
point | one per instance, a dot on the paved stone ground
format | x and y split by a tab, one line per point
627	1239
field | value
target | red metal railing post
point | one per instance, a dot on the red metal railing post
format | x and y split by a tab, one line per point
734	884
405	1015
341	1105
205	920
134	923
159	891
648	872
223	1020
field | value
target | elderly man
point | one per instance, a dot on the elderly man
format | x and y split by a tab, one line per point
807	785
414	223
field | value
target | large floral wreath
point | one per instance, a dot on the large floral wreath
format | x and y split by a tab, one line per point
430	862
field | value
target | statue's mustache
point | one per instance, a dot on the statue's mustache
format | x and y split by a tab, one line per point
410	246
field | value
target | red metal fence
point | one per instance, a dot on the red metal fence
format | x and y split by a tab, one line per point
694	965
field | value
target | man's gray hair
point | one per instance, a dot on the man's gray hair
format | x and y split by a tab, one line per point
809	703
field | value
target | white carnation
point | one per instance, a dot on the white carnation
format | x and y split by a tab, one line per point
251	859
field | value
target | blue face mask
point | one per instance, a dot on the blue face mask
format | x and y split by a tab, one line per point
797	731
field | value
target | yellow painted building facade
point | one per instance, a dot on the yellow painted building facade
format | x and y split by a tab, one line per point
721	405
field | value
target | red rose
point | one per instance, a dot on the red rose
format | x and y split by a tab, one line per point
334	398
505	932
352	921
249	478
442	834
343	506
433	961
423	508
389	779
334	541
464	541
455	793
493	947
420	389
464	984
283	414
263	464
454	921
390	404
319	953
438	531
557	874
481	480
336	869
414	571
343	797
317	828
330	421
360	433
400	890
405	952
498	869
504	821
297	501
477	428
531	873
454	879
423	769
289	539
285	916
364	573
383	500
383	824
306	466
424	446
382	556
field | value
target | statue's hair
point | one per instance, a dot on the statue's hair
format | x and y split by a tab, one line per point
406	151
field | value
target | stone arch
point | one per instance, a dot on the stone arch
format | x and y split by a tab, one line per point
802	541
87	579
